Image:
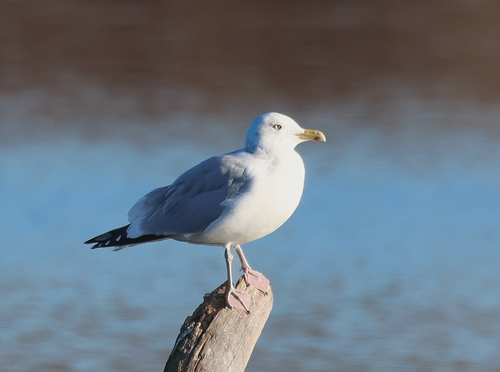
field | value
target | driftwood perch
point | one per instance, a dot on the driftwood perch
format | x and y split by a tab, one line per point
218	339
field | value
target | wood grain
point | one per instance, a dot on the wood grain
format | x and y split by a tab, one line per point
218	339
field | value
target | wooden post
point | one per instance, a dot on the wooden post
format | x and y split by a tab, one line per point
218	339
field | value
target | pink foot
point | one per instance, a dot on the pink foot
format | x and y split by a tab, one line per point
257	280
239	300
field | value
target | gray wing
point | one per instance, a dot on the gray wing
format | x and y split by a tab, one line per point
192	202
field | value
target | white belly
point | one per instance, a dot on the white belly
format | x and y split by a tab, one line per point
272	199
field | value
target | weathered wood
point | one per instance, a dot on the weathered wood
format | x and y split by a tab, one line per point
218	339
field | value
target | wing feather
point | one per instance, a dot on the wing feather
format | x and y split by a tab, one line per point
192	202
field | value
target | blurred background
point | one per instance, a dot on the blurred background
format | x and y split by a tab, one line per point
391	261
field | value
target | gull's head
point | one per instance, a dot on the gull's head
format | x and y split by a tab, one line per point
273	131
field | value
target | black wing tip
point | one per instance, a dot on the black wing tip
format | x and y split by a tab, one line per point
92	241
96	245
104	245
117	239
109	239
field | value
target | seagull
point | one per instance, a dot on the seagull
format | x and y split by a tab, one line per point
226	200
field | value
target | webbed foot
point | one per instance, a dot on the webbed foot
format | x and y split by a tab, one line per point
257	280
238	299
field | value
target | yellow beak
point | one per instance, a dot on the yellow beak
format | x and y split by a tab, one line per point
312	135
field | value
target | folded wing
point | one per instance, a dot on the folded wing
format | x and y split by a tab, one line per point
192	202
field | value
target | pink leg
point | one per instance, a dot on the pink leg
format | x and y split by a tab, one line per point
252	277
234	298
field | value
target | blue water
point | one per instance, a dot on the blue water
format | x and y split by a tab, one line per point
390	263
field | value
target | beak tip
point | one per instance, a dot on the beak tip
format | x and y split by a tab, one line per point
312	135
320	138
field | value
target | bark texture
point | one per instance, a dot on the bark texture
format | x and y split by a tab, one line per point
218	339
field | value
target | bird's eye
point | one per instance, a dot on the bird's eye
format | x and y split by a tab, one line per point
277	126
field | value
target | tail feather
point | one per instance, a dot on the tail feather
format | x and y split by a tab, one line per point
118	239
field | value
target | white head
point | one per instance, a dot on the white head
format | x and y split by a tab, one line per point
273	131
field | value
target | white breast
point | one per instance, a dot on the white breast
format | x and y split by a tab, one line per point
274	195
